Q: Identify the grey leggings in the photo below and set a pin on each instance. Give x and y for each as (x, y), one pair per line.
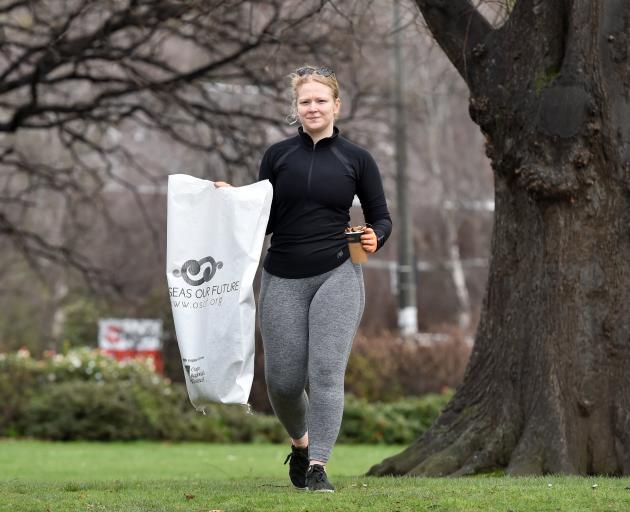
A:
(307, 327)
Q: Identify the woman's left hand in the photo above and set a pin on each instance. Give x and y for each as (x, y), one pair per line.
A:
(368, 240)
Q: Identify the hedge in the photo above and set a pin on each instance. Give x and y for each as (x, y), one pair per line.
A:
(86, 395)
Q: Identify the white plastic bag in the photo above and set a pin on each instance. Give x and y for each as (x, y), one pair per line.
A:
(214, 240)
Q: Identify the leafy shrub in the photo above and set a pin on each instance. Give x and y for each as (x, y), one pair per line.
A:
(85, 395)
(395, 422)
(80, 325)
(388, 368)
(88, 411)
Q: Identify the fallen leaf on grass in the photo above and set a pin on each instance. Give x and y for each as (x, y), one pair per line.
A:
(189, 496)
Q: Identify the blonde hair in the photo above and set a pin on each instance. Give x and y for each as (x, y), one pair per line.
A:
(297, 80)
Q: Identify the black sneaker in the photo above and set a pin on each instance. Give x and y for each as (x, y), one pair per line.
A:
(298, 465)
(316, 479)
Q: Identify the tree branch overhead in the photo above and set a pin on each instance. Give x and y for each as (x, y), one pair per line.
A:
(458, 27)
(83, 83)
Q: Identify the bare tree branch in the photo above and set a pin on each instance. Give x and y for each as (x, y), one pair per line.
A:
(458, 27)
(87, 88)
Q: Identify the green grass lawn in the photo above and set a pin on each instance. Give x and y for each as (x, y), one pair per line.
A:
(59, 477)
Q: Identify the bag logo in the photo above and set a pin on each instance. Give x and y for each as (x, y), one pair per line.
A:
(192, 268)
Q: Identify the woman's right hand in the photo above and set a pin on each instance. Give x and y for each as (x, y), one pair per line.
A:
(219, 184)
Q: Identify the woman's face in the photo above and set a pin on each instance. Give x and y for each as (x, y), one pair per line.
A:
(316, 107)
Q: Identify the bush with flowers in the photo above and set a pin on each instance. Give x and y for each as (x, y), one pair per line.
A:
(87, 395)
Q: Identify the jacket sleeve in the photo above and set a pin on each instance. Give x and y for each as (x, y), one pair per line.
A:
(266, 173)
(372, 196)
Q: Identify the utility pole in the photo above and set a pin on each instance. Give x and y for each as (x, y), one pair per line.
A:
(407, 309)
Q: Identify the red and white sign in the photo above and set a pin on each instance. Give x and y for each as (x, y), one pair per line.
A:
(127, 338)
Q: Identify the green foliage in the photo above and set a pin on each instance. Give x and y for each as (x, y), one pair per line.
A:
(80, 325)
(391, 423)
(86, 395)
(83, 395)
(89, 411)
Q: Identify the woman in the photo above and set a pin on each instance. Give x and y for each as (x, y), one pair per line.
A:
(312, 297)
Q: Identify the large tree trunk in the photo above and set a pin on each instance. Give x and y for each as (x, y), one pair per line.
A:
(547, 389)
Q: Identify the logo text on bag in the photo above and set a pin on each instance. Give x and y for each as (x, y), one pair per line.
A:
(193, 267)
(195, 273)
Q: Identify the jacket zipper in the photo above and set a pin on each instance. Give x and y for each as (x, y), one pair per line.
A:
(310, 169)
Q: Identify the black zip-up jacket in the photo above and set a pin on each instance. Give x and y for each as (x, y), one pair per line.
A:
(313, 189)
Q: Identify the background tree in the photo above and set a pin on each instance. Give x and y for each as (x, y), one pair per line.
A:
(84, 86)
(547, 388)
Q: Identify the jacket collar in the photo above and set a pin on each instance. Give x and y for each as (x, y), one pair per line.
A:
(306, 138)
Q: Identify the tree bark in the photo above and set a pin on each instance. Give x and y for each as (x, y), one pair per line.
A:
(547, 388)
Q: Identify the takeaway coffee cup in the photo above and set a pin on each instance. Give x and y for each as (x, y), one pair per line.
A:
(357, 254)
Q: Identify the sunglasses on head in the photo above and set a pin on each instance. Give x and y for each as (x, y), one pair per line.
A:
(308, 70)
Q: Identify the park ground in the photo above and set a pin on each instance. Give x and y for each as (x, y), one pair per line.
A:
(196, 477)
